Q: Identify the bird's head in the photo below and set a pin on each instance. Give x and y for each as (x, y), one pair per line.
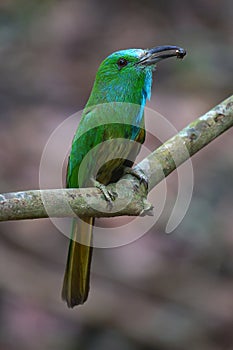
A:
(138, 59)
(124, 72)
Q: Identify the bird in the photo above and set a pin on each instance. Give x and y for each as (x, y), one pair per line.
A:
(107, 141)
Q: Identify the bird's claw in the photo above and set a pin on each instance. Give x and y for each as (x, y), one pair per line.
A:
(139, 174)
(108, 195)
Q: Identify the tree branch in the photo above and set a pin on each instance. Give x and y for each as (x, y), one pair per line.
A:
(130, 197)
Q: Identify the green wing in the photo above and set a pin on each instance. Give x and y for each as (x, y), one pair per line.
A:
(104, 140)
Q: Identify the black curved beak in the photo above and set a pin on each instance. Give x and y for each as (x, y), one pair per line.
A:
(159, 53)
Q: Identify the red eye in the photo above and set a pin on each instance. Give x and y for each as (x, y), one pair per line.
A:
(122, 62)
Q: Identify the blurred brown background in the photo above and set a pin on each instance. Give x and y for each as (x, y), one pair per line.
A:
(163, 291)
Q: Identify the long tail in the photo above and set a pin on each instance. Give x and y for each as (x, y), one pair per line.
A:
(77, 275)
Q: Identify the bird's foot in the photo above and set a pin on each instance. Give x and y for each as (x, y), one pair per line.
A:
(139, 174)
(108, 195)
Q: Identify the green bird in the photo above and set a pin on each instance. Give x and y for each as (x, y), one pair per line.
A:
(107, 141)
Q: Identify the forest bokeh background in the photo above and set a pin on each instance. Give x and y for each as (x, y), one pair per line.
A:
(162, 291)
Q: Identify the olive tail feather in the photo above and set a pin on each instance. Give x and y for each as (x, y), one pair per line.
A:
(76, 282)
